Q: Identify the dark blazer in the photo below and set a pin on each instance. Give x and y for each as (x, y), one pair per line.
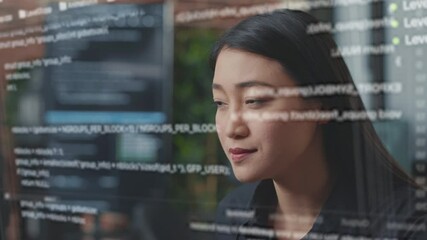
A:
(244, 214)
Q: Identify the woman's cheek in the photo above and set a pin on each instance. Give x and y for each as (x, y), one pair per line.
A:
(265, 132)
(277, 136)
(218, 128)
(219, 124)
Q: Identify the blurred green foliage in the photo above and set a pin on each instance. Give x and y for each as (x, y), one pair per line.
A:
(193, 104)
(193, 76)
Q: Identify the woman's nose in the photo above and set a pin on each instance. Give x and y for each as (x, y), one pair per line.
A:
(236, 126)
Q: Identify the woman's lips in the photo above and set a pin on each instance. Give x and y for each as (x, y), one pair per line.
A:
(239, 154)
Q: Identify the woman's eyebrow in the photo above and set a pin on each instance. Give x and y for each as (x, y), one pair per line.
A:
(249, 84)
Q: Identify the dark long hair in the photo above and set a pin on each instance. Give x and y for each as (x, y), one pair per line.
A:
(353, 149)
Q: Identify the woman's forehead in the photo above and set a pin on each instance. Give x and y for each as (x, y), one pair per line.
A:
(236, 67)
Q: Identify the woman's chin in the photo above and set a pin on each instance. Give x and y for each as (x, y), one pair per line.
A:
(246, 177)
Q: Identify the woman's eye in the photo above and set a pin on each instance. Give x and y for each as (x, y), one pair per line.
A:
(256, 101)
(218, 103)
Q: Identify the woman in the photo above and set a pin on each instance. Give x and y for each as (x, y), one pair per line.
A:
(307, 178)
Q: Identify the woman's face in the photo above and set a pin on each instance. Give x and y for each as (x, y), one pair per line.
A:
(259, 149)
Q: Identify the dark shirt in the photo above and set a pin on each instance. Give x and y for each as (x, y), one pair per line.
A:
(245, 214)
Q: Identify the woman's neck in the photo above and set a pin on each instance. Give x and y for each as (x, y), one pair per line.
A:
(303, 189)
(303, 192)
